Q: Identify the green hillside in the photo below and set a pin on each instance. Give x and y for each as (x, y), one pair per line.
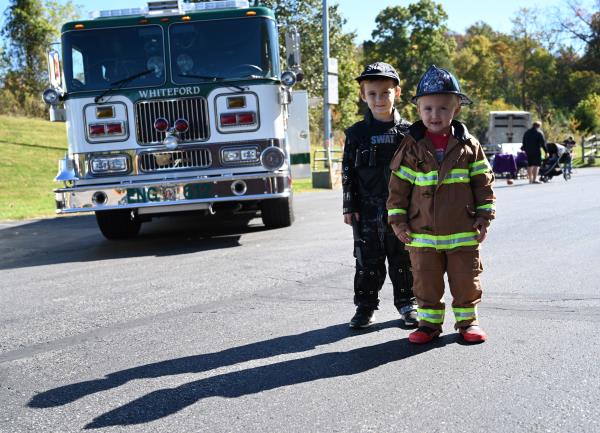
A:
(31, 148)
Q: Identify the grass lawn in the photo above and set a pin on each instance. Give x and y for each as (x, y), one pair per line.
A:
(32, 148)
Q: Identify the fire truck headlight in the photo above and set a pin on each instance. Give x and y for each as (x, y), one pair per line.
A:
(288, 78)
(243, 155)
(231, 155)
(272, 158)
(51, 96)
(109, 164)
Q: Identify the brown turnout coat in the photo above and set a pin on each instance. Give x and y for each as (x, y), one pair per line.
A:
(440, 201)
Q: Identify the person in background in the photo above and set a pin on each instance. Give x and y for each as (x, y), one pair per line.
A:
(440, 205)
(533, 144)
(368, 150)
(569, 143)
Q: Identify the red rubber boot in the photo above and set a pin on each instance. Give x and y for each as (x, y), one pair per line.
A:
(423, 335)
(473, 334)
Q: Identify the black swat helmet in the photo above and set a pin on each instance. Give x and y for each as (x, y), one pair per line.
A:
(379, 69)
(439, 81)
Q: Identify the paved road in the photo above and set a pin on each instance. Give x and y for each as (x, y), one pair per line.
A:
(194, 329)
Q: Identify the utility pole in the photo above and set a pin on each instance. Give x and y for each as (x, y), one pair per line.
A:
(326, 107)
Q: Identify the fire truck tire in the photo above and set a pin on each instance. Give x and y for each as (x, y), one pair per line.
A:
(118, 224)
(277, 212)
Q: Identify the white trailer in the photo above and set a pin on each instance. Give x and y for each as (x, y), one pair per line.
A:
(508, 126)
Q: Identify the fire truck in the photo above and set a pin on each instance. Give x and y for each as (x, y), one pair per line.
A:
(174, 107)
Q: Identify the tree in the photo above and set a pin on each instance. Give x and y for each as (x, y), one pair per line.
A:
(535, 66)
(28, 33)
(584, 26)
(307, 17)
(411, 38)
(30, 27)
(477, 66)
(587, 113)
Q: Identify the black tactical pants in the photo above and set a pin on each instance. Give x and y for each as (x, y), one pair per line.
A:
(378, 242)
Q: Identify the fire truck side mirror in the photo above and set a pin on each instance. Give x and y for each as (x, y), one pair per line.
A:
(293, 55)
(292, 49)
(54, 69)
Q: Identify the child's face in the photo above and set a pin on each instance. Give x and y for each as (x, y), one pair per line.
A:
(437, 111)
(379, 96)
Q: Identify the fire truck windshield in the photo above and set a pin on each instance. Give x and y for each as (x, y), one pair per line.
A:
(238, 48)
(96, 59)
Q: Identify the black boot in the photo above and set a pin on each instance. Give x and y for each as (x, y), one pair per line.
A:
(363, 318)
(408, 315)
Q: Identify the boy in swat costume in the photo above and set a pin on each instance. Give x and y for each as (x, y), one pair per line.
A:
(368, 150)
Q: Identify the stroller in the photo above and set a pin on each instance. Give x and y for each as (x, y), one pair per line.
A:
(551, 165)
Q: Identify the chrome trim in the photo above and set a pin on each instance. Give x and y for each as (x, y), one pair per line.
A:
(176, 192)
(182, 159)
(248, 146)
(194, 110)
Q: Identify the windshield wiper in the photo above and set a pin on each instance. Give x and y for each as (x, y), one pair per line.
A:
(121, 83)
(214, 78)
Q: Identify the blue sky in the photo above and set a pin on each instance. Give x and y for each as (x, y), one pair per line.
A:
(461, 13)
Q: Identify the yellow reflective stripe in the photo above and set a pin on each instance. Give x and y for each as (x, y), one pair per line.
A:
(487, 207)
(443, 242)
(478, 164)
(431, 316)
(426, 182)
(479, 167)
(464, 313)
(406, 174)
(457, 175)
(417, 177)
(396, 211)
(475, 173)
(456, 180)
(426, 179)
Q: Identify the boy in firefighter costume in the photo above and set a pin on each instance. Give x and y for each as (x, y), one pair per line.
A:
(440, 204)
(368, 150)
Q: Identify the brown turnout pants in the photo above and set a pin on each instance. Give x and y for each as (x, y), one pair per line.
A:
(463, 268)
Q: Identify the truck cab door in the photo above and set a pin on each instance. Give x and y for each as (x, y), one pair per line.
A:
(298, 135)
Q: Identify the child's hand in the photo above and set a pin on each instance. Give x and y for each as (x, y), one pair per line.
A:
(402, 232)
(348, 217)
(481, 227)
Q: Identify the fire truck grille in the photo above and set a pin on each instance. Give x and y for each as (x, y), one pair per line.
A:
(194, 110)
(174, 160)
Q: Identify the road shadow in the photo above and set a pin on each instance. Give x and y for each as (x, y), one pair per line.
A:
(296, 343)
(78, 239)
(165, 402)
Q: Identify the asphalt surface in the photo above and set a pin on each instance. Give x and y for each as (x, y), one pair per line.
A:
(195, 328)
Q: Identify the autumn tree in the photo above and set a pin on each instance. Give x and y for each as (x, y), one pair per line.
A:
(30, 27)
(411, 38)
(307, 17)
(583, 25)
(587, 113)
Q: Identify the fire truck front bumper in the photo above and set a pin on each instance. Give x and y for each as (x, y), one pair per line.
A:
(173, 194)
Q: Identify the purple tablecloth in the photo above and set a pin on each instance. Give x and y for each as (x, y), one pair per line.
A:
(521, 160)
(505, 163)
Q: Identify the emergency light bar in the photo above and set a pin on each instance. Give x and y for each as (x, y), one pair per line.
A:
(170, 7)
(219, 4)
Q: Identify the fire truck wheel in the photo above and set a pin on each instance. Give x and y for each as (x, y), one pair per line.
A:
(118, 224)
(277, 212)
